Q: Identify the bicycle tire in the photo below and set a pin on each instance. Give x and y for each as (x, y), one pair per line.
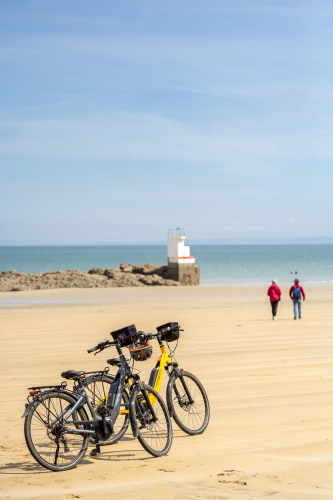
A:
(97, 389)
(155, 437)
(192, 418)
(49, 444)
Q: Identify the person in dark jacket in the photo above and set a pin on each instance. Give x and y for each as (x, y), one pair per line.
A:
(274, 293)
(296, 293)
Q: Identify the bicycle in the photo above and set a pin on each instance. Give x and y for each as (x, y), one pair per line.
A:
(57, 428)
(186, 397)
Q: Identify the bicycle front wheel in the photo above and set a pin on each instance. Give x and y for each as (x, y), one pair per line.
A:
(154, 435)
(97, 388)
(47, 431)
(188, 403)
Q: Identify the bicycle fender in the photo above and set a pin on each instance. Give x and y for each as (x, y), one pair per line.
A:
(30, 405)
(131, 407)
(26, 411)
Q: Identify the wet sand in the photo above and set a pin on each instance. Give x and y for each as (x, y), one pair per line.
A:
(269, 383)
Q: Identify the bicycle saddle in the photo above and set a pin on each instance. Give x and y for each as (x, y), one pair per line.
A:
(71, 374)
(114, 362)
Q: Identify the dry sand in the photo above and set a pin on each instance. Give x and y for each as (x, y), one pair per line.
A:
(270, 386)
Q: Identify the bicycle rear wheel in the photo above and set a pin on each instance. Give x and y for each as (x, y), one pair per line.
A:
(97, 389)
(154, 436)
(47, 431)
(190, 414)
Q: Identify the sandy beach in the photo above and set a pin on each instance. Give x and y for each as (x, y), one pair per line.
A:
(269, 383)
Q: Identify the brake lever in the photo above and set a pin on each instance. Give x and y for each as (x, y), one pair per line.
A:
(101, 348)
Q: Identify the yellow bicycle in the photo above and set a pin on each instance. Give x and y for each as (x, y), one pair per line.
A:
(186, 397)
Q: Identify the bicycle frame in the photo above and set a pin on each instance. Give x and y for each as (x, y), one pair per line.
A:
(122, 378)
(156, 375)
(80, 402)
(165, 362)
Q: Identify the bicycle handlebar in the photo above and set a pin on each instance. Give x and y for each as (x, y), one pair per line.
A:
(140, 335)
(149, 336)
(101, 345)
(158, 335)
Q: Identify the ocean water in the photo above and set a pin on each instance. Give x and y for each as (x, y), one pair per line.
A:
(254, 265)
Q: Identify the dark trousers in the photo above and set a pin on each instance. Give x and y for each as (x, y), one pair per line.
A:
(274, 305)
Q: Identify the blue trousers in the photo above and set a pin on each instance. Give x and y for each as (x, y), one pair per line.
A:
(297, 305)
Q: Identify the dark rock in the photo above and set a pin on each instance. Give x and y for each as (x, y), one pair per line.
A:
(96, 270)
(162, 271)
(123, 276)
(126, 268)
(144, 269)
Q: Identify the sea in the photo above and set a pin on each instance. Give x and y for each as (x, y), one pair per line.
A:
(220, 265)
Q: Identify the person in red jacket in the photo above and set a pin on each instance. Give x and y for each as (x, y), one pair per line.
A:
(274, 293)
(296, 293)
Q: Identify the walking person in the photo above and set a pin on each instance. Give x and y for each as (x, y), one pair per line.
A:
(296, 293)
(274, 293)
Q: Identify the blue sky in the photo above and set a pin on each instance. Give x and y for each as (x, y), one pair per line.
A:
(119, 120)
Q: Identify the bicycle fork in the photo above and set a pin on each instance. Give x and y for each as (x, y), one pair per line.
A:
(178, 373)
(145, 411)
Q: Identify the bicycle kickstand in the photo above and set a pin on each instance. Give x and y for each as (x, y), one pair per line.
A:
(95, 451)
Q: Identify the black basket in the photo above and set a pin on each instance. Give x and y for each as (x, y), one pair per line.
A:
(169, 331)
(126, 335)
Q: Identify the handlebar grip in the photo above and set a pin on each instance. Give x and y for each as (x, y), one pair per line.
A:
(100, 346)
(93, 349)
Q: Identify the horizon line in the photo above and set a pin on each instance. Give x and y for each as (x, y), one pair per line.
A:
(209, 241)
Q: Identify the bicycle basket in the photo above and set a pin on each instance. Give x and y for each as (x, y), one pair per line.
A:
(141, 351)
(126, 335)
(169, 331)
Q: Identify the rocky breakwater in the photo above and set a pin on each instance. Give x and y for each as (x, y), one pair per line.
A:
(124, 275)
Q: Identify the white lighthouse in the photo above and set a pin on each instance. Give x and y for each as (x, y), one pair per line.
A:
(181, 264)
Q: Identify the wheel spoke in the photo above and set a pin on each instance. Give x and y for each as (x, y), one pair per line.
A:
(191, 414)
(155, 436)
(46, 435)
